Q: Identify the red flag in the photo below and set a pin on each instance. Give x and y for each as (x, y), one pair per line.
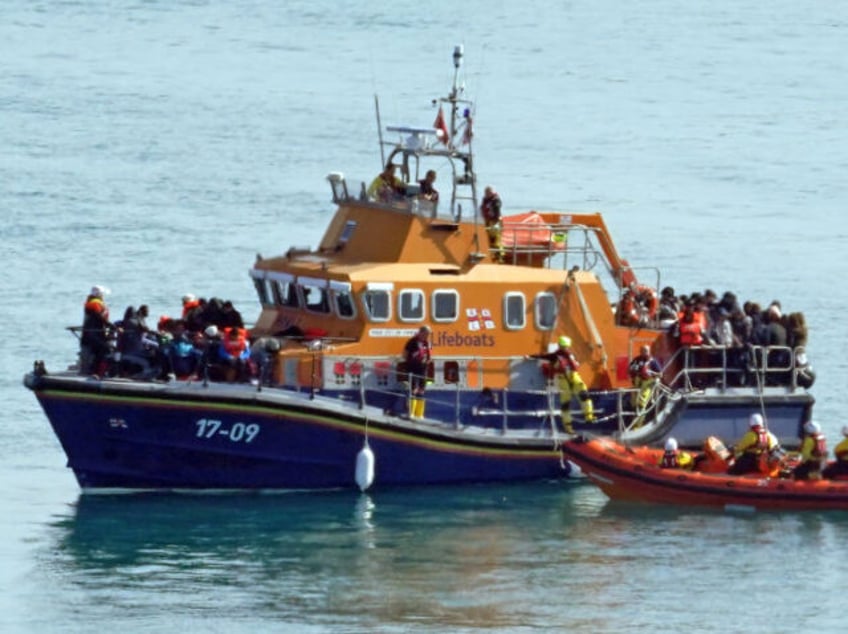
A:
(441, 128)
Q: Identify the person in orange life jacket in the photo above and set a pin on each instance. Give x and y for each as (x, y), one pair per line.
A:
(752, 452)
(690, 328)
(94, 341)
(386, 187)
(190, 302)
(813, 453)
(564, 365)
(644, 372)
(234, 353)
(674, 458)
(417, 354)
(490, 209)
(428, 191)
(839, 466)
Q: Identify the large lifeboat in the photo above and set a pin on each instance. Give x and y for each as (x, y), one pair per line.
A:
(634, 474)
(327, 397)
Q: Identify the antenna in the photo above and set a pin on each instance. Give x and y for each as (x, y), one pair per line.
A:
(457, 62)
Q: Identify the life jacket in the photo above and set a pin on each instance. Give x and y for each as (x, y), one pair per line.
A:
(627, 313)
(691, 333)
(670, 460)
(566, 362)
(762, 445)
(490, 208)
(190, 306)
(234, 347)
(96, 306)
(841, 451)
(819, 452)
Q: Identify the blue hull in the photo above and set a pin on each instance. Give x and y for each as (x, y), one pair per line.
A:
(120, 434)
(119, 437)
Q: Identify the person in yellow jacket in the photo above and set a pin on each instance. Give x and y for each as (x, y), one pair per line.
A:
(813, 453)
(564, 365)
(752, 451)
(674, 458)
(840, 466)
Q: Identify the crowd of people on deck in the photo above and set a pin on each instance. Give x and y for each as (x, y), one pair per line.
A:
(760, 452)
(208, 340)
(704, 319)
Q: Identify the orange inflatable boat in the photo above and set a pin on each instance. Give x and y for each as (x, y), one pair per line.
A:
(633, 474)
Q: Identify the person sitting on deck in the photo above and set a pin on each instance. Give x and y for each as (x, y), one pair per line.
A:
(840, 466)
(813, 453)
(674, 458)
(386, 187)
(752, 452)
(234, 355)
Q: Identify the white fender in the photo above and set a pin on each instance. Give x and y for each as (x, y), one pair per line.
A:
(365, 468)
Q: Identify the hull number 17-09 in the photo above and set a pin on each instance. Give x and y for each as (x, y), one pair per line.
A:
(238, 432)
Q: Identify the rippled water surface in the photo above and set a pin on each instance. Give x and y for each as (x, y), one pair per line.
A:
(156, 147)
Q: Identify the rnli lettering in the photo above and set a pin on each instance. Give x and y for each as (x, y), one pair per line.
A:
(239, 432)
(457, 339)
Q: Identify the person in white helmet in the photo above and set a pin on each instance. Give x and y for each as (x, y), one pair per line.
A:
(813, 453)
(839, 467)
(675, 458)
(563, 365)
(752, 451)
(96, 330)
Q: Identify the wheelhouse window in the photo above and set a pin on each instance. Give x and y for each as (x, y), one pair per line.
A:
(445, 306)
(377, 301)
(261, 288)
(545, 311)
(342, 299)
(316, 295)
(411, 305)
(514, 311)
(285, 293)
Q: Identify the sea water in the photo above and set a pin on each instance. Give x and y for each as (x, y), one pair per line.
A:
(156, 147)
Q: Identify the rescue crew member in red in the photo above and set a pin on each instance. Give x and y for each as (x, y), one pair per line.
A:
(417, 354)
(753, 450)
(490, 208)
(674, 458)
(813, 453)
(563, 365)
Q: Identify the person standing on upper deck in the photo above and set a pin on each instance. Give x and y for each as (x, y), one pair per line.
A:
(490, 208)
(428, 191)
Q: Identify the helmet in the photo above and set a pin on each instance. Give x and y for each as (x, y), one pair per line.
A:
(565, 342)
(188, 297)
(99, 291)
(845, 430)
(756, 420)
(812, 427)
(211, 331)
(671, 444)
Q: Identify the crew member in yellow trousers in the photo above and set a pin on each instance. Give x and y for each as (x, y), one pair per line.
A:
(417, 354)
(564, 366)
(644, 372)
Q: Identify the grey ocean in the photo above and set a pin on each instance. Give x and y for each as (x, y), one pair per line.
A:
(156, 146)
